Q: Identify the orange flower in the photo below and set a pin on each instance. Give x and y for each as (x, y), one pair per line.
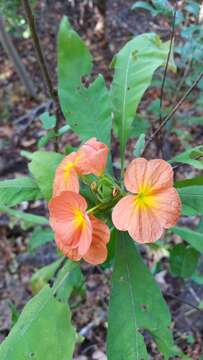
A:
(91, 158)
(66, 176)
(154, 204)
(96, 154)
(78, 234)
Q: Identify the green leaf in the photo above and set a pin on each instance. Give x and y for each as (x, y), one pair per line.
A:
(133, 75)
(183, 260)
(145, 6)
(191, 157)
(28, 218)
(39, 237)
(44, 330)
(140, 125)
(194, 238)
(43, 141)
(48, 121)
(200, 225)
(139, 146)
(198, 278)
(74, 281)
(193, 8)
(43, 167)
(64, 129)
(192, 200)
(14, 313)
(42, 276)
(198, 180)
(136, 304)
(87, 109)
(163, 7)
(13, 192)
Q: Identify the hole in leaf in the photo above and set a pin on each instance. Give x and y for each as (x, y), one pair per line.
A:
(31, 355)
(85, 81)
(144, 307)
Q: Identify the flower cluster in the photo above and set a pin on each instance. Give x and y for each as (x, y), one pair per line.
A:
(78, 233)
(150, 206)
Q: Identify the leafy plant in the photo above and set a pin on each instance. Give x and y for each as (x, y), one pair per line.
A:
(83, 224)
(187, 48)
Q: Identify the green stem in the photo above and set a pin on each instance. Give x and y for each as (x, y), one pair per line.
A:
(90, 211)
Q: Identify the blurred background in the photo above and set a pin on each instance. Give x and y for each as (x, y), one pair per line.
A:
(105, 26)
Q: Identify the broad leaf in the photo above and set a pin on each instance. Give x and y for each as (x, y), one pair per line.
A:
(73, 282)
(42, 276)
(87, 109)
(183, 260)
(136, 304)
(194, 238)
(26, 217)
(13, 192)
(133, 75)
(44, 330)
(73, 279)
(191, 157)
(43, 167)
(39, 237)
(192, 199)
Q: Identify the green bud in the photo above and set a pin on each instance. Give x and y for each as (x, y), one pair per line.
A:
(106, 189)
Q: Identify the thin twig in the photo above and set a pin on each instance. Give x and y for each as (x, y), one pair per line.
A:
(173, 111)
(42, 63)
(168, 59)
(183, 301)
(38, 49)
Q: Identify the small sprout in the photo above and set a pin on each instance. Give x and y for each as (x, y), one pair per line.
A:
(93, 186)
(115, 192)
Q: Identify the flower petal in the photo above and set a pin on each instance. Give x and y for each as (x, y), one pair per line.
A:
(94, 156)
(123, 213)
(66, 177)
(141, 223)
(159, 175)
(85, 239)
(150, 176)
(97, 252)
(168, 207)
(145, 227)
(62, 216)
(66, 250)
(134, 175)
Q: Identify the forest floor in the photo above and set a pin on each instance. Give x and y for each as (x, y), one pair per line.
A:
(105, 26)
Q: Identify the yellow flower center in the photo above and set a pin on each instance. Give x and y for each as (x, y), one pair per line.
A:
(145, 198)
(69, 166)
(79, 219)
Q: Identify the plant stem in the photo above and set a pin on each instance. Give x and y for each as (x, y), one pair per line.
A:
(172, 112)
(42, 63)
(90, 211)
(168, 59)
